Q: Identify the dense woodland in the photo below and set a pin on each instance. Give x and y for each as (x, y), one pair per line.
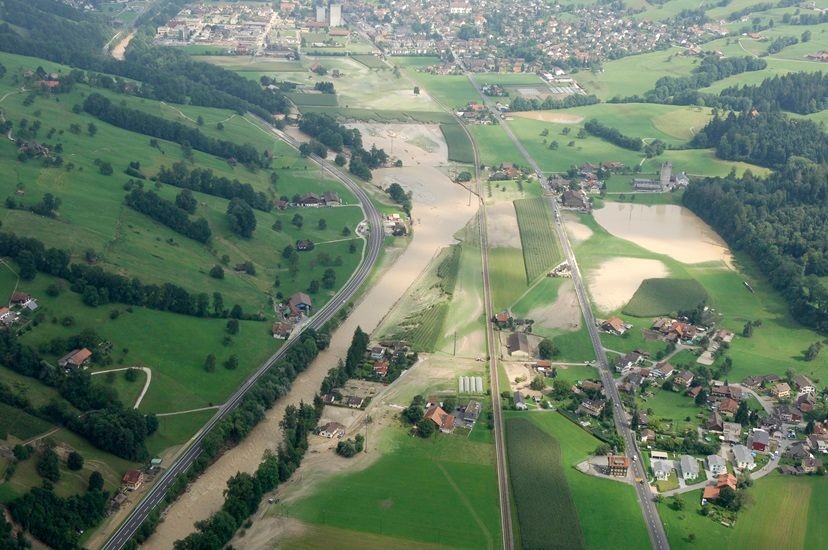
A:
(612, 135)
(204, 181)
(575, 100)
(169, 214)
(767, 139)
(780, 222)
(802, 93)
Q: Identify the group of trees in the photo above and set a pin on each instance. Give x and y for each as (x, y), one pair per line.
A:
(151, 125)
(328, 132)
(110, 287)
(574, 100)
(351, 447)
(802, 93)
(598, 129)
(768, 139)
(780, 222)
(398, 195)
(241, 217)
(337, 377)
(169, 214)
(205, 181)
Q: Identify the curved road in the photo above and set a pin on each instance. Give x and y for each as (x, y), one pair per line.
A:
(193, 448)
(146, 384)
(658, 537)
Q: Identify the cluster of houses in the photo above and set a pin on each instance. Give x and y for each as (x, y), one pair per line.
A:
(676, 331)
(310, 200)
(446, 421)
(19, 303)
(294, 310)
(475, 112)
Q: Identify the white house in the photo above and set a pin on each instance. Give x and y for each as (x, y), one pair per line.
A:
(717, 465)
(742, 458)
(689, 467)
(662, 469)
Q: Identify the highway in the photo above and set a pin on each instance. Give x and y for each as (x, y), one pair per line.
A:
(658, 537)
(193, 448)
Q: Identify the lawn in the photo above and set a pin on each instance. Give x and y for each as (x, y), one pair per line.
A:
(459, 147)
(370, 61)
(494, 146)
(545, 510)
(783, 512)
(541, 250)
(601, 505)
(308, 99)
(664, 296)
(128, 391)
(447, 483)
(175, 429)
(453, 91)
(672, 407)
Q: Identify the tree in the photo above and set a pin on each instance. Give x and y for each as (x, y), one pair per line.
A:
(92, 129)
(241, 217)
(218, 304)
(232, 326)
(48, 465)
(546, 349)
(701, 398)
(322, 225)
(426, 428)
(131, 374)
(417, 88)
(346, 231)
(186, 201)
(210, 363)
(313, 286)
(677, 503)
(74, 461)
(339, 160)
(742, 414)
(96, 481)
(236, 312)
(217, 272)
(329, 278)
(538, 383)
(809, 427)
(747, 331)
(298, 220)
(232, 363)
(813, 351)
(414, 412)
(200, 120)
(26, 261)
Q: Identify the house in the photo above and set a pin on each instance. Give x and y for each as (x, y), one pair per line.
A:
(381, 367)
(304, 245)
(472, 412)
(592, 408)
(663, 370)
(732, 432)
(19, 298)
(817, 443)
(75, 358)
(647, 435)
(781, 390)
(590, 386)
(805, 403)
(377, 353)
(518, 344)
(810, 465)
(574, 199)
(625, 363)
(618, 465)
(354, 401)
(502, 318)
(804, 384)
(331, 197)
(662, 469)
(133, 479)
(520, 404)
(711, 492)
(759, 440)
(7, 316)
(728, 407)
(282, 330)
(683, 379)
(310, 199)
(614, 325)
(443, 420)
(724, 336)
(331, 430)
(798, 450)
(717, 465)
(714, 423)
(643, 420)
(300, 303)
(743, 458)
(787, 413)
(689, 467)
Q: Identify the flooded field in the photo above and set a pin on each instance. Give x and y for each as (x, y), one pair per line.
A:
(665, 229)
(413, 144)
(441, 208)
(614, 282)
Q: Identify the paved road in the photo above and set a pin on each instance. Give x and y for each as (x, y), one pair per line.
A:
(193, 448)
(658, 537)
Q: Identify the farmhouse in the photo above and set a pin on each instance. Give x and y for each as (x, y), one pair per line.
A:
(781, 390)
(759, 440)
(300, 303)
(618, 465)
(331, 197)
(133, 479)
(716, 464)
(689, 467)
(332, 429)
(714, 423)
(19, 298)
(728, 407)
(75, 358)
(377, 352)
(574, 199)
(443, 420)
(303, 245)
(647, 435)
(804, 384)
(381, 367)
(7, 316)
(614, 325)
(518, 344)
(742, 458)
(520, 404)
(310, 199)
(353, 401)
(282, 330)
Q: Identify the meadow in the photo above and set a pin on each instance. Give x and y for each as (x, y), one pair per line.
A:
(507, 276)
(664, 296)
(459, 147)
(601, 505)
(541, 250)
(20, 424)
(783, 512)
(447, 482)
(545, 510)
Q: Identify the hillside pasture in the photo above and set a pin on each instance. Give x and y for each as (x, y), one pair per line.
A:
(664, 296)
(541, 251)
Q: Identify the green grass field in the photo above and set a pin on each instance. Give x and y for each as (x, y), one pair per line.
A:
(783, 512)
(370, 61)
(21, 425)
(601, 505)
(447, 483)
(174, 430)
(545, 510)
(673, 408)
(507, 276)
(663, 296)
(494, 146)
(308, 99)
(541, 250)
(377, 115)
(459, 146)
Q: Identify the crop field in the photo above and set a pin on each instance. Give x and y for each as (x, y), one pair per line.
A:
(545, 509)
(664, 296)
(600, 505)
(507, 275)
(20, 424)
(541, 250)
(371, 61)
(783, 512)
(459, 146)
(378, 115)
(447, 483)
(309, 99)
(494, 146)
